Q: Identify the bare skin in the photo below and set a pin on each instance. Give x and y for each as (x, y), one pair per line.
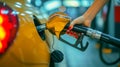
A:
(89, 15)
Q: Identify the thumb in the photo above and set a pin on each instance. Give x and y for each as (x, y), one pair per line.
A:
(78, 20)
(72, 23)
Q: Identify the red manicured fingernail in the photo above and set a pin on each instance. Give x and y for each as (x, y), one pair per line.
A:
(70, 27)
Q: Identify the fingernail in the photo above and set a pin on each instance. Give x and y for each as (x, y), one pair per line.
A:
(70, 27)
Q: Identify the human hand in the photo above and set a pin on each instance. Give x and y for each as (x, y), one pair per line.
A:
(80, 20)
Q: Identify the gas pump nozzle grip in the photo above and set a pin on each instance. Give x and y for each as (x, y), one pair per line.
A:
(96, 35)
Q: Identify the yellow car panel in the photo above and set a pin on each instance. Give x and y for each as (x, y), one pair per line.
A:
(28, 49)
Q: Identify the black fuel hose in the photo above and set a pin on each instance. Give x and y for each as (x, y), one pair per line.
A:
(96, 35)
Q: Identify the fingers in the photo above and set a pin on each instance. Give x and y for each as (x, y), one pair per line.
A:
(81, 20)
(73, 23)
(69, 29)
(71, 33)
(78, 20)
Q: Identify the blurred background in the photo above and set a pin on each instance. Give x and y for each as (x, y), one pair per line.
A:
(107, 21)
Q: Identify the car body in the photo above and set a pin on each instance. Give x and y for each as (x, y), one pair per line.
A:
(28, 49)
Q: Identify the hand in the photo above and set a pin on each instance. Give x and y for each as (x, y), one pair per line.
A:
(79, 20)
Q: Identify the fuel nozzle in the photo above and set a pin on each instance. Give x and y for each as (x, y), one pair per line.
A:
(57, 22)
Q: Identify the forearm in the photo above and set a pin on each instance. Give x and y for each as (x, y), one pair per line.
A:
(94, 9)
